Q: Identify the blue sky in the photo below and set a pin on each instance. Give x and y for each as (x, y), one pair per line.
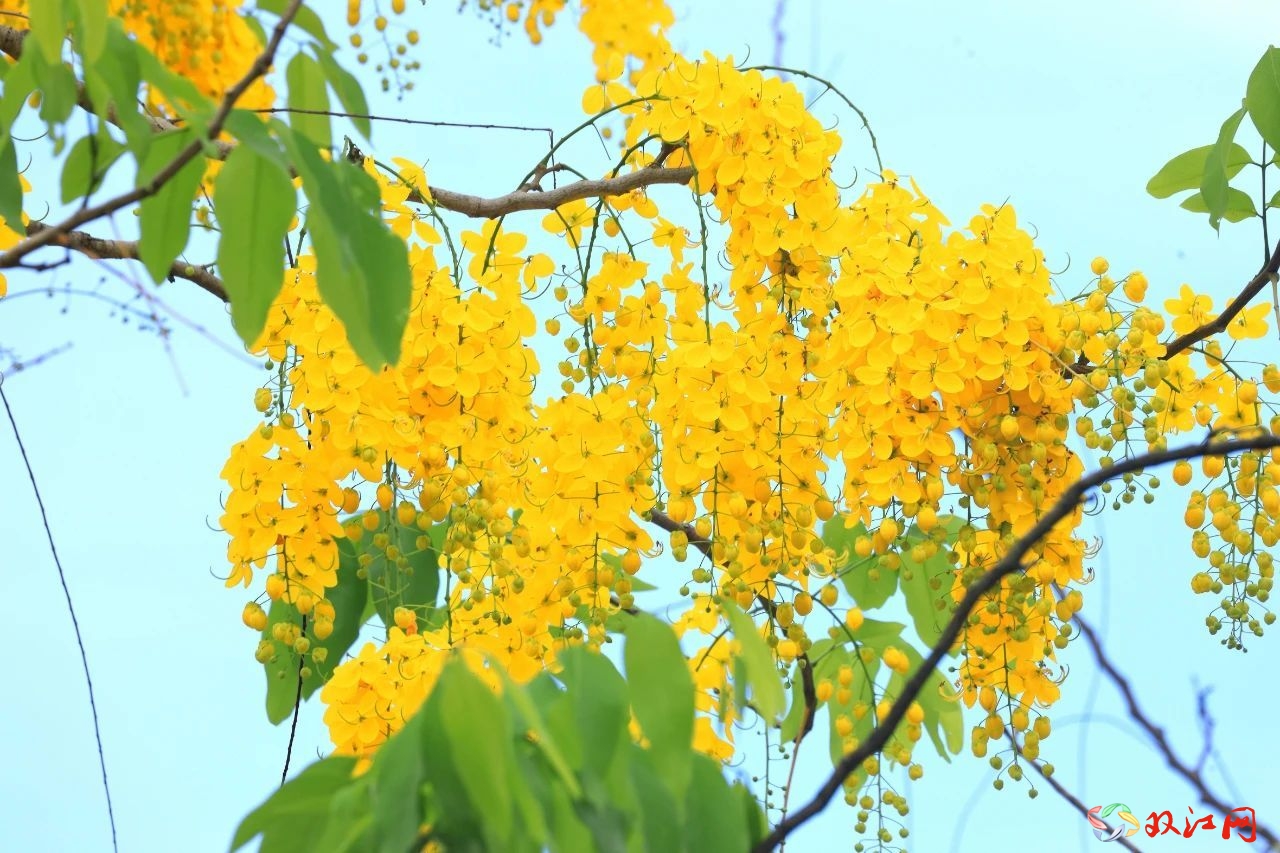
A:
(1063, 114)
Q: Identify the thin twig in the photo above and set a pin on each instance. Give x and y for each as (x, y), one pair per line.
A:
(1190, 775)
(1067, 795)
(75, 623)
(297, 706)
(401, 120)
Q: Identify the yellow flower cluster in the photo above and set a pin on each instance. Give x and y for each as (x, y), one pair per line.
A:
(205, 41)
(858, 356)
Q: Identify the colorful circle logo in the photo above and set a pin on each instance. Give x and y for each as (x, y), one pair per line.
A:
(1104, 833)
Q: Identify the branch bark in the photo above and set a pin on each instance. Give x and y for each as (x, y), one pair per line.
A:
(492, 208)
(127, 250)
(1010, 564)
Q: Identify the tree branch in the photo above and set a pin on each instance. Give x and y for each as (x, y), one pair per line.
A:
(11, 41)
(127, 250)
(1010, 564)
(259, 67)
(492, 208)
(1268, 274)
(1064, 793)
(1191, 775)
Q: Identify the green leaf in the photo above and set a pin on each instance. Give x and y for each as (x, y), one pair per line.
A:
(1186, 171)
(1239, 205)
(112, 83)
(255, 202)
(869, 585)
(1262, 97)
(10, 184)
(527, 703)
(307, 97)
(394, 781)
(926, 586)
(1214, 184)
(282, 669)
(348, 90)
(58, 89)
(249, 128)
(18, 83)
(768, 696)
(718, 821)
(294, 816)
(87, 163)
(165, 217)
(305, 19)
(790, 725)
(91, 29)
(878, 634)
(601, 711)
(48, 27)
(181, 93)
(350, 827)
(943, 715)
(362, 268)
(662, 697)
(757, 822)
(417, 586)
(607, 826)
(479, 731)
(348, 598)
(662, 831)
(444, 793)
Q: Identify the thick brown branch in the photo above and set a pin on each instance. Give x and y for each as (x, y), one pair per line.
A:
(1010, 564)
(127, 250)
(259, 67)
(491, 208)
(1189, 774)
(807, 688)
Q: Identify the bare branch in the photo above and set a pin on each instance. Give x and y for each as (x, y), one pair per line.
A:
(127, 250)
(491, 208)
(1064, 793)
(259, 67)
(1189, 774)
(1010, 564)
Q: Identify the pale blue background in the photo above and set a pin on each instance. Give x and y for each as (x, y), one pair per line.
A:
(1064, 113)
